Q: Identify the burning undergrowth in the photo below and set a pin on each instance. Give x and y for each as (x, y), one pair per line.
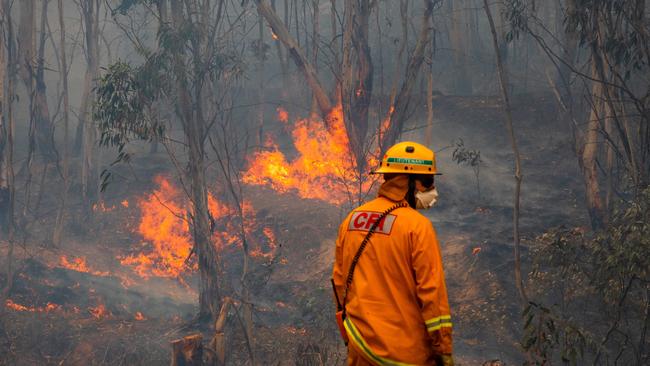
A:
(146, 280)
(165, 227)
(324, 167)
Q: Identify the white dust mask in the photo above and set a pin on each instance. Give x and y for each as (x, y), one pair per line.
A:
(427, 199)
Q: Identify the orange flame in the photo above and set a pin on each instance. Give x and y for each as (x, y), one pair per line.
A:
(125, 203)
(164, 226)
(139, 316)
(79, 265)
(283, 115)
(49, 307)
(99, 312)
(325, 166)
(12, 305)
(101, 207)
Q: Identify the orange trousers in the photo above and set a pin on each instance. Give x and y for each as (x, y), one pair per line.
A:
(355, 358)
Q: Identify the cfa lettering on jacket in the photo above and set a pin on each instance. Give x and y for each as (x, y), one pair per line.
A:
(363, 221)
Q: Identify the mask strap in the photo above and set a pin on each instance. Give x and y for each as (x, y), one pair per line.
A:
(410, 195)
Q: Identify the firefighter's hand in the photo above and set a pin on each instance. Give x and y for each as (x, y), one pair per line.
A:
(444, 360)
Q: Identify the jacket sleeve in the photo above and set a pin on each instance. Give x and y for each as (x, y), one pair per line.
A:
(430, 287)
(338, 272)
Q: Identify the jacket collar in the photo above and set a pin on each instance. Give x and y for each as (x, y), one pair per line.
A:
(396, 188)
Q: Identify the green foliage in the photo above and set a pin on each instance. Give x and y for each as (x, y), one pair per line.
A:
(127, 95)
(465, 156)
(122, 100)
(515, 12)
(597, 287)
(544, 332)
(625, 45)
(471, 158)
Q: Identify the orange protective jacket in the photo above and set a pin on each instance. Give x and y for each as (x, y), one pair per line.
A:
(397, 308)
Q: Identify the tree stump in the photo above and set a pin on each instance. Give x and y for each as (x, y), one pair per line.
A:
(218, 343)
(188, 351)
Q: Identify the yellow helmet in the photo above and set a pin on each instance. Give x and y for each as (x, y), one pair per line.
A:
(408, 157)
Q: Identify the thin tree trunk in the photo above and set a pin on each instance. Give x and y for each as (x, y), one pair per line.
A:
(281, 56)
(32, 73)
(314, 52)
(63, 73)
(26, 42)
(429, 131)
(335, 50)
(297, 20)
(403, 99)
(43, 123)
(503, 30)
(590, 152)
(403, 11)
(515, 150)
(4, 139)
(8, 64)
(462, 81)
(297, 55)
(381, 54)
(609, 160)
(568, 54)
(356, 90)
(25, 38)
(90, 11)
(194, 129)
(261, 77)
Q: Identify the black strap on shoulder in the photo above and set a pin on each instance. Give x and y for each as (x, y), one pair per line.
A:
(362, 247)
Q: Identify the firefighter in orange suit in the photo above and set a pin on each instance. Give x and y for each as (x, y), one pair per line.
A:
(396, 308)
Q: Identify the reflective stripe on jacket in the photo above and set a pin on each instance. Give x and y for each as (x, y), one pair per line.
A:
(397, 308)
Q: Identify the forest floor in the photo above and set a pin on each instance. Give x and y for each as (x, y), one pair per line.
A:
(108, 315)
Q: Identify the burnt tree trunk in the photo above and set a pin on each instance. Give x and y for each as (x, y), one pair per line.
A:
(26, 45)
(8, 65)
(63, 72)
(189, 112)
(357, 77)
(43, 122)
(31, 71)
(7, 74)
(90, 14)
